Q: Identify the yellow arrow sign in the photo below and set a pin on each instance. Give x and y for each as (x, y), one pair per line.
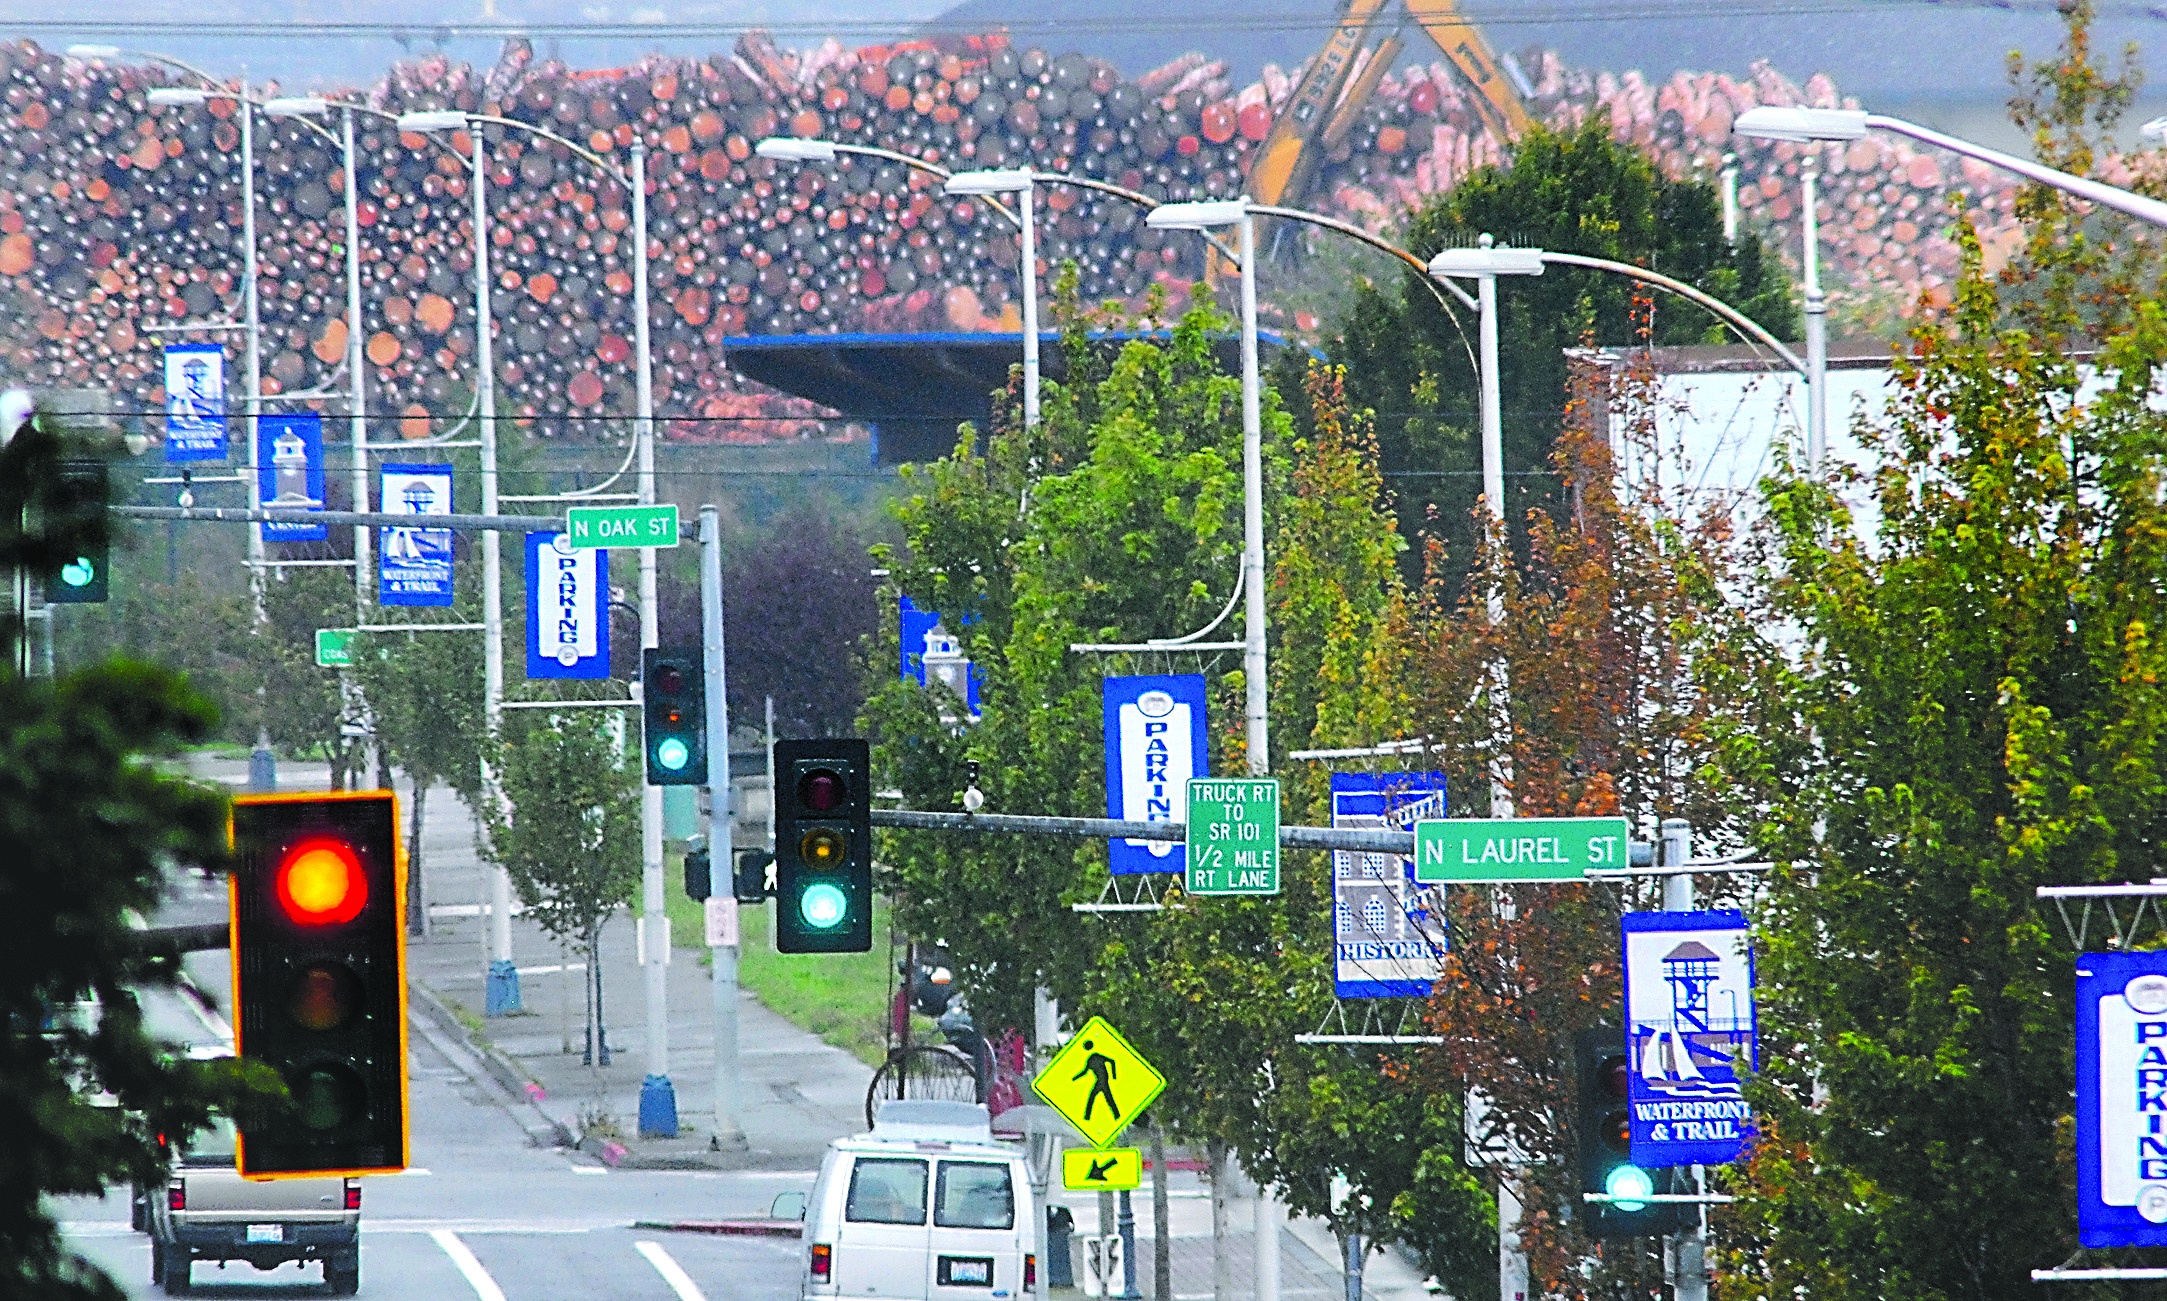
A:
(1098, 1082)
(1111, 1169)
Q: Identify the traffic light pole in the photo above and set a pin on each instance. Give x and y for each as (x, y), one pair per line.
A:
(1688, 1249)
(722, 859)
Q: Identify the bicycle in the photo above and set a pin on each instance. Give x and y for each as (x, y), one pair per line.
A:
(921, 1070)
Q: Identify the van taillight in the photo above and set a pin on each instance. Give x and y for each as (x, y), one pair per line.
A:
(353, 1196)
(1030, 1271)
(823, 1261)
(176, 1196)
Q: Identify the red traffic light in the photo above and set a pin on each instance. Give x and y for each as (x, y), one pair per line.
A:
(821, 790)
(320, 882)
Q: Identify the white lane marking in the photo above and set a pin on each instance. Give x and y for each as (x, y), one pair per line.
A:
(590, 1169)
(477, 1278)
(416, 1170)
(672, 1273)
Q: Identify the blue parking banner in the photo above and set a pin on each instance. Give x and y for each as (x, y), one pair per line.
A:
(1154, 744)
(290, 471)
(567, 608)
(1388, 930)
(414, 565)
(2122, 1099)
(195, 402)
(1688, 1018)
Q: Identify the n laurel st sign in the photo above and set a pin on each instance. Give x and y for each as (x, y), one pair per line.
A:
(1518, 849)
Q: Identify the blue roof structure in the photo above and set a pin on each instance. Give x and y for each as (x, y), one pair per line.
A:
(914, 389)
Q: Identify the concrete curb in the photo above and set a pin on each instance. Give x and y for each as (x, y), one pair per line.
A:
(733, 1228)
(500, 1077)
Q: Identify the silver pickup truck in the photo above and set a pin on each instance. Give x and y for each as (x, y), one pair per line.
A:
(207, 1211)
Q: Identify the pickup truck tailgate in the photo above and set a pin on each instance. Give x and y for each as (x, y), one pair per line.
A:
(222, 1194)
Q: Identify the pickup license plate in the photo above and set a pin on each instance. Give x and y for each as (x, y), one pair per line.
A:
(265, 1233)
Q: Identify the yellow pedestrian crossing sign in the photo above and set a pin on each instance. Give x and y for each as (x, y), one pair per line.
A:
(1102, 1169)
(1098, 1082)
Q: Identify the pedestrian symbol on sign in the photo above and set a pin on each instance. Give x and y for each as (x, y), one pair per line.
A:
(1102, 1070)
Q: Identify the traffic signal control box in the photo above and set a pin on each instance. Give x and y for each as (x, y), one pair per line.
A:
(823, 847)
(1605, 1146)
(319, 979)
(673, 704)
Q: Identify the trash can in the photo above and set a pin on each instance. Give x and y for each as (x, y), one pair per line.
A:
(1060, 1226)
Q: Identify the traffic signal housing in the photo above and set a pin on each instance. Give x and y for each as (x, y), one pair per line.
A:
(673, 703)
(697, 887)
(824, 847)
(1606, 1159)
(80, 499)
(319, 979)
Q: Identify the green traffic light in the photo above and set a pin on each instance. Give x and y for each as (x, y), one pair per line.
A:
(673, 753)
(82, 573)
(822, 906)
(1627, 1186)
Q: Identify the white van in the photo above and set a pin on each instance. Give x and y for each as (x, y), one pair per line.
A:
(926, 1207)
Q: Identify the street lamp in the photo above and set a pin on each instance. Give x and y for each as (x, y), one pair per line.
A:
(1484, 265)
(1019, 183)
(1800, 125)
(1206, 216)
(184, 96)
(503, 978)
(658, 1100)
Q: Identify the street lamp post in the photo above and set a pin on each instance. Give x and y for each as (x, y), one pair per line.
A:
(501, 994)
(1020, 184)
(1808, 125)
(1205, 216)
(252, 393)
(658, 1098)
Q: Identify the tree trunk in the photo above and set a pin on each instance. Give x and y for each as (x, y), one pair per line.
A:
(417, 910)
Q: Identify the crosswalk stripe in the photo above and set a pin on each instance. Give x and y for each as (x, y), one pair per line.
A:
(672, 1273)
(477, 1278)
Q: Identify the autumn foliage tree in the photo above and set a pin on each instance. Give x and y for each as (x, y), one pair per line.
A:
(1603, 687)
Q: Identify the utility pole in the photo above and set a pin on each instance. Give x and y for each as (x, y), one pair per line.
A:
(1687, 1250)
(722, 861)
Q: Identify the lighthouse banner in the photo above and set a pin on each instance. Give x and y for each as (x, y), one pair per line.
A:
(1688, 1024)
(1154, 744)
(195, 402)
(290, 472)
(414, 565)
(2122, 1099)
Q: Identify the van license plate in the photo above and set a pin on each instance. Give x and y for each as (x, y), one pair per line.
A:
(266, 1233)
(965, 1271)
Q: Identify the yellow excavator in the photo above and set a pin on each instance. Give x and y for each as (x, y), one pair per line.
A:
(1325, 106)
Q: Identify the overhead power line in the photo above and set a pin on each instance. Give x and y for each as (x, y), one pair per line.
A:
(1172, 21)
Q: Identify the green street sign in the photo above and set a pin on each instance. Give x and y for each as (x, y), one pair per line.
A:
(1233, 838)
(1518, 849)
(334, 648)
(622, 526)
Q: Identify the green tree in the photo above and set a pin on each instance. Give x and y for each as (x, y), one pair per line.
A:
(568, 829)
(1413, 365)
(1978, 712)
(1117, 519)
(424, 690)
(87, 831)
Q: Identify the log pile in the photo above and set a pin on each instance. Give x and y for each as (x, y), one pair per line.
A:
(115, 216)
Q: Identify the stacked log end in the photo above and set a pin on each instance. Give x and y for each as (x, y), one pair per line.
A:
(116, 217)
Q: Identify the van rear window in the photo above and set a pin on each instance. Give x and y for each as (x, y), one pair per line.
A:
(886, 1190)
(975, 1195)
